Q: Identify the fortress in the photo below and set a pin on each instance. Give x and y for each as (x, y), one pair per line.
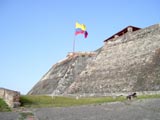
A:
(129, 61)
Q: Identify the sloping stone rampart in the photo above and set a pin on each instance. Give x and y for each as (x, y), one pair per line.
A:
(129, 63)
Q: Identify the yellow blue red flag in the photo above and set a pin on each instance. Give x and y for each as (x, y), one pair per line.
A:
(81, 29)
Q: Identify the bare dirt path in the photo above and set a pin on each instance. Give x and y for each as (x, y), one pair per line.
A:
(148, 109)
(9, 115)
(128, 110)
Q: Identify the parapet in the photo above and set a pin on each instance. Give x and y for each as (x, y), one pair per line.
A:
(83, 54)
(132, 34)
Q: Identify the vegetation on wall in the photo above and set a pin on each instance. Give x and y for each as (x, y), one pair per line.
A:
(3, 106)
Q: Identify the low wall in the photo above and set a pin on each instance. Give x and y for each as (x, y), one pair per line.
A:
(12, 98)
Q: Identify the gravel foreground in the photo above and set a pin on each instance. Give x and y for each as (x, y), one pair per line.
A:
(148, 109)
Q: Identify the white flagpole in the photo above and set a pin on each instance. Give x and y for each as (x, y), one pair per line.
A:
(74, 43)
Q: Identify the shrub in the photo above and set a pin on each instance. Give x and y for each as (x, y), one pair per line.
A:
(3, 106)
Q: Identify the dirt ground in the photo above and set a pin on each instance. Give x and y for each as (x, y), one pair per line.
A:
(148, 109)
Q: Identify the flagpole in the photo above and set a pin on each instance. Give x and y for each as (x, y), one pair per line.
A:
(74, 43)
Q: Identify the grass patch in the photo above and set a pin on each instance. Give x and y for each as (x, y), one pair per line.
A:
(25, 115)
(47, 101)
(37, 101)
(3, 106)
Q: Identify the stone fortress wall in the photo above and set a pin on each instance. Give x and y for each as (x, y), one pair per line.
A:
(127, 63)
(12, 98)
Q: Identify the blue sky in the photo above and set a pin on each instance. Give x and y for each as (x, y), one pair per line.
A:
(35, 34)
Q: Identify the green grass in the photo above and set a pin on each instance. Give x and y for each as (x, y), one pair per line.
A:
(33, 101)
(3, 106)
(25, 115)
(47, 101)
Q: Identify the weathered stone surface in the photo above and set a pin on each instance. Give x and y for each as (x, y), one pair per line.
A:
(129, 63)
(62, 75)
(12, 98)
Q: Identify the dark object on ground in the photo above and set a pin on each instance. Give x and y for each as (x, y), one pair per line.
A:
(129, 97)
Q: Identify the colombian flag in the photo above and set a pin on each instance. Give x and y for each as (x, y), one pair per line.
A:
(81, 29)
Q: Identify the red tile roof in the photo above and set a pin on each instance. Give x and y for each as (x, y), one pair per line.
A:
(122, 32)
